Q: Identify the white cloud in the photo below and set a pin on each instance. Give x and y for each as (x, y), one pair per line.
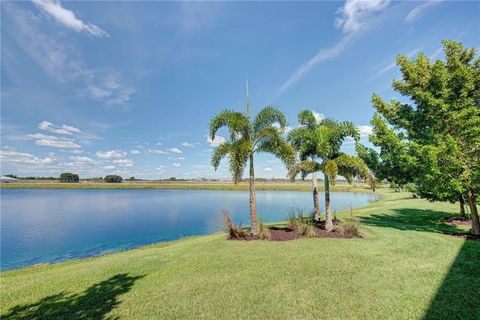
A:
(393, 64)
(355, 14)
(436, 53)
(70, 128)
(189, 144)
(12, 157)
(156, 151)
(318, 116)
(57, 144)
(215, 142)
(109, 167)
(365, 131)
(124, 162)
(181, 158)
(76, 151)
(64, 129)
(268, 169)
(83, 160)
(64, 62)
(111, 154)
(353, 19)
(53, 141)
(176, 164)
(420, 9)
(67, 18)
(135, 151)
(175, 150)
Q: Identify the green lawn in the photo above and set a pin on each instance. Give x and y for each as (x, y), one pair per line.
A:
(405, 269)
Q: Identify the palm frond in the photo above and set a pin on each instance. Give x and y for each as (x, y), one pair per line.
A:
(219, 153)
(237, 123)
(238, 158)
(351, 166)
(330, 169)
(267, 117)
(303, 167)
(274, 143)
(307, 118)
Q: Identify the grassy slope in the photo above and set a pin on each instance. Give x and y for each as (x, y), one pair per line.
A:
(404, 269)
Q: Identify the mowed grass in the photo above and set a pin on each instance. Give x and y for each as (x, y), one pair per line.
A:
(405, 269)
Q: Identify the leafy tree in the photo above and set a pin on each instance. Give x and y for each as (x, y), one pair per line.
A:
(247, 137)
(438, 133)
(11, 176)
(322, 142)
(113, 179)
(69, 177)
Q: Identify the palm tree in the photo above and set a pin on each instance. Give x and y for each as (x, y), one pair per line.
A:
(245, 138)
(303, 141)
(323, 142)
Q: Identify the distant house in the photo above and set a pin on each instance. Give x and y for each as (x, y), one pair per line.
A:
(4, 179)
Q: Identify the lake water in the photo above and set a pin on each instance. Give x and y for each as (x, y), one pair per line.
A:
(41, 225)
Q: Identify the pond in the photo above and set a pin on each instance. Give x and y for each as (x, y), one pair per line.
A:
(43, 226)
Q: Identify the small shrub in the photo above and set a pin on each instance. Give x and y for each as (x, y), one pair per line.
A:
(113, 179)
(234, 232)
(296, 217)
(69, 177)
(351, 228)
(306, 230)
(263, 231)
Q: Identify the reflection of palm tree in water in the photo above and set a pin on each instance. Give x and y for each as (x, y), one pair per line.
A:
(94, 303)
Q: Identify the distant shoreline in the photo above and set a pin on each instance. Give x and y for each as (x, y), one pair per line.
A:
(282, 186)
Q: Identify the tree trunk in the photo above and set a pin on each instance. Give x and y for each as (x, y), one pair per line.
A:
(328, 211)
(253, 206)
(462, 206)
(316, 207)
(474, 213)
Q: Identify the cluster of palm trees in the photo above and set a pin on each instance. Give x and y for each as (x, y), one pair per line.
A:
(312, 147)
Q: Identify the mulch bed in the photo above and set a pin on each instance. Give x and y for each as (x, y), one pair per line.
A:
(458, 221)
(287, 234)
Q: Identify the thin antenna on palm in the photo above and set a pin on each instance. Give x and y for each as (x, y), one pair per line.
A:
(248, 96)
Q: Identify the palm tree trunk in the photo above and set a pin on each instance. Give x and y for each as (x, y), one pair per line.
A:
(253, 207)
(315, 197)
(328, 211)
(474, 213)
(462, 206)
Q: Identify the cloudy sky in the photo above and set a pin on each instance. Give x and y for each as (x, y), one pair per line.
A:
(128, 87)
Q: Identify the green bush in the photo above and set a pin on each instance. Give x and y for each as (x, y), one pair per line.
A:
(113, 179)
(69, 177)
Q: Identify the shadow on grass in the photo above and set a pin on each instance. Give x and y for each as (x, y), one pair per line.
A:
(458, 297)
(414, 219)
(94, 303)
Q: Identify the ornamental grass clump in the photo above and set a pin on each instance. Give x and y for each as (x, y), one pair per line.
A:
(234, 232)
(263, 231)
(306, 230)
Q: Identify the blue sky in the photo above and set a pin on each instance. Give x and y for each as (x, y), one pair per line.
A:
(129, 87)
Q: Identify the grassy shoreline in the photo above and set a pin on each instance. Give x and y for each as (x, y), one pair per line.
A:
(294, 186)
(406, 268)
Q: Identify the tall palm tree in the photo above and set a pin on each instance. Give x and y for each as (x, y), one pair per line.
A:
(324, 142)
(303, 141)
(247, 137)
